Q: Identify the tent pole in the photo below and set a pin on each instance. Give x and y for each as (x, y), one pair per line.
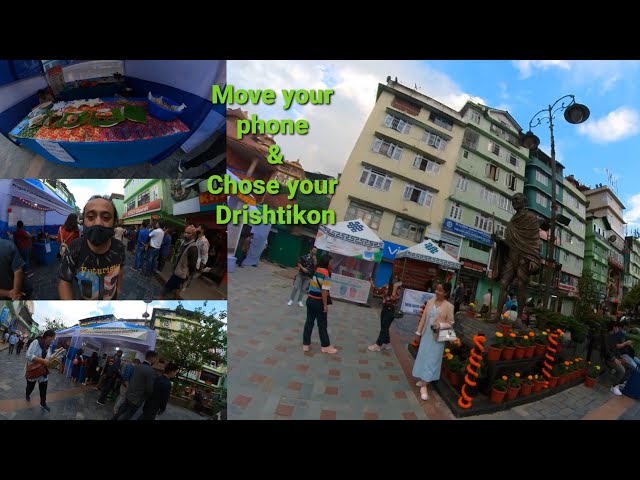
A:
(404, 265)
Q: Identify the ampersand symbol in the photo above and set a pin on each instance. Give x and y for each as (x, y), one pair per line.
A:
(274, 158)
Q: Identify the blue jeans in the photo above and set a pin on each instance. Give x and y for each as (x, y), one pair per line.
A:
(152, 255)
(25, 253)
(140, 257)
(633, 362)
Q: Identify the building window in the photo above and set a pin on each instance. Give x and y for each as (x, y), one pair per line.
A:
(491, 171)
(131, 204)
(154, 192)
(426, 165)
(375, 179)
(541, 200)
(483, 223)
(494, 148)
(143, 198)
(386, 148)
(513, 160)
(465, 154)
(370, 216)
(501, 230)
(461, 183)
(397, 124)
(486, 195)
(475, 117)
(471, 139)
(409, 230)
(479, 246)
(542, 178)
(434, 140)
(503, 202)
(511, 181)
(455, 212)
(417, 195)
(441, 121)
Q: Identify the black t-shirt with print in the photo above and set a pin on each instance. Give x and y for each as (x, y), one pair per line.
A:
(97, 275)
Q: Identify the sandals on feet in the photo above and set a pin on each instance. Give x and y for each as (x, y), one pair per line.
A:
(424, 395)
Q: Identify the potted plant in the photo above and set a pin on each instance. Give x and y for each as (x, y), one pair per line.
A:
(495, 350)
(556, 373)
(453, 365)
(593, 372)
(499, 389)
(513, 386)
(527, 385)
(509, 348)
(505, 324)
(530, 342)
(582, 366)
(539, 383)
(541, 344)
(522, 343)
(471, 310)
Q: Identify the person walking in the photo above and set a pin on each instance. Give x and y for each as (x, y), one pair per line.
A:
(306, 266)
(13, 339)
(387, 316)
(38, 353)
(20, 345)
(140, 387)
(244, 250)
(157, 404)
(67, 233)
(92, 369)
(22, 239)
(78, 360)
(318, 306)
(438, 314)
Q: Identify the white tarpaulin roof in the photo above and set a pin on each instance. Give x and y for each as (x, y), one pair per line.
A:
(427, 251)
(354, 231)
(127, 332)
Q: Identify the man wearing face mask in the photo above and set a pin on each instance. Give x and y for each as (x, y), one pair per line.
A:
(96, 260)
(186, 264)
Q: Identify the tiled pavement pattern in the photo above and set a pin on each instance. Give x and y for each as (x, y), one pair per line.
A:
(20, 162)
(274, 379)
(270, 376)
(67, 401)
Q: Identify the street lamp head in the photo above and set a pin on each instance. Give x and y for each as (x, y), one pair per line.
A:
(530, 141)
(576, 113)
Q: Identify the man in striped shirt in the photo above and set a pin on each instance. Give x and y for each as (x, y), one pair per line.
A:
(318, 306)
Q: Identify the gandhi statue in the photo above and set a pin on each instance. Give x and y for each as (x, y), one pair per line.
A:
(518, 254)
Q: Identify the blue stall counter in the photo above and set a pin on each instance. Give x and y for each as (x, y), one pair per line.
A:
(45, 253)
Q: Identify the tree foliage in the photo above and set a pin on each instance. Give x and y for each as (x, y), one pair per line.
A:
(201, 341)
(589, 296)
(632, 298)
(54, 324)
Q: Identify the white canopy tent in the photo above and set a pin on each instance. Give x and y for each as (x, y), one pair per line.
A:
(355, 249)
(427, 251)
(105, 337)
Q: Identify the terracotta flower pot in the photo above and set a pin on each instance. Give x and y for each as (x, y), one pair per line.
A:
(537, 386)
(454, 379)
(493, 355)
(562, 379)
(497, 396)
(519, 353)
(553, 381)
(512, 393)
(539, 350)
(505, 329)
(589, 382)
(507, 353)
(529, 351)
(525, 389)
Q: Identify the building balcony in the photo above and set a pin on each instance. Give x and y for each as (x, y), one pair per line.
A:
(615, 262)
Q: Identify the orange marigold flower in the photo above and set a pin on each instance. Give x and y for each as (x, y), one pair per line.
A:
(517, 375)
(499, 334)
(566, 363)
(531, 334)
(504, 377)
(526, 337)
(512, 335)
(530, 377)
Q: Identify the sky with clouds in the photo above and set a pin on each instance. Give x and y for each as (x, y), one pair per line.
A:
(83, 189)
(69, 312)
(609, 140)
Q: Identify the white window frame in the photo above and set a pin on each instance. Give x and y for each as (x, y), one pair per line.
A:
(456, 211)
(413, 229)
(542, 178)
(434, 140)
(475, 117)
(441, 121)
(392, 150)
(431, 167)
(486, 195)
(500, 229)
(425, 198)
(494, 148)
(503, 202)
(540, 198)
(483, 223)
(372, 213)
(462, 183)
(397, 124)
(487, 171)
(511, 181)
(368, 173)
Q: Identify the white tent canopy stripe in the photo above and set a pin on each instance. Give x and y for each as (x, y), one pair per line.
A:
(427, 251)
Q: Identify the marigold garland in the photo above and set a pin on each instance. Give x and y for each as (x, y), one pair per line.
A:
(475, 362)
(552, 349)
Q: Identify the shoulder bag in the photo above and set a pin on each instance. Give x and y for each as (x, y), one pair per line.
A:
(36, 370)
(446, 335)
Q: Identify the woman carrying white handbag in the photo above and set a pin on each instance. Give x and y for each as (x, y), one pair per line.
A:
(438, 315)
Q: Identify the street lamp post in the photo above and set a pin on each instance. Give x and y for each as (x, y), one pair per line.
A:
(574, 113)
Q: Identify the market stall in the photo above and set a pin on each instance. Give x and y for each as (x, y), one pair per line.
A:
(109, 121)
(418, 267)
(355, 250)
(133, 340)
(38, 207)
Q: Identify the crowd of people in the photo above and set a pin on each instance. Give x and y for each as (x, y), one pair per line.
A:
(92, 255)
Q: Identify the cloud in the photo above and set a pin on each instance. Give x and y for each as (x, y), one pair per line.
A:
(526, 67)
(334, 128)
(632, 212)
(84, 189)
(617, 125)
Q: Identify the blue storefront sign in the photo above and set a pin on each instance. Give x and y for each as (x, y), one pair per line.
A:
(391, 250)
(467, 232)
(4, 315)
